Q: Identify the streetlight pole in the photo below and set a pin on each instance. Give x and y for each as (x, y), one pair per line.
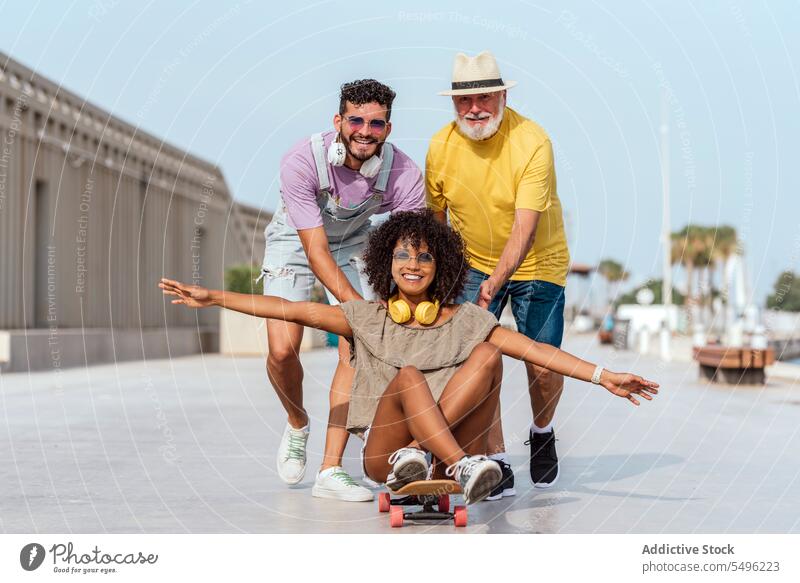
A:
(666, 238)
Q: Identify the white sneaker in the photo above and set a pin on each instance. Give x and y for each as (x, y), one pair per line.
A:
(337, 484)
(477, 474)
(370, 482)
(409, 465)
(291, 460)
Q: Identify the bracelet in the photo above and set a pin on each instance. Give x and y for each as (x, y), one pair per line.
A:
(598, 370)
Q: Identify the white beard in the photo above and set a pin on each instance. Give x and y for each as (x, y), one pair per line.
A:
(483, 131)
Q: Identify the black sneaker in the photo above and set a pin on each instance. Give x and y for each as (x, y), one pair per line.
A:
(506, 485)
(544, 460)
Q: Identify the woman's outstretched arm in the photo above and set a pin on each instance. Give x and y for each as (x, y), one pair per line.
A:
(314, 315)
(518, 346)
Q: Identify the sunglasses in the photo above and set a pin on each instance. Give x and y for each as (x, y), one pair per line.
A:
(423, 259)
(376, 126)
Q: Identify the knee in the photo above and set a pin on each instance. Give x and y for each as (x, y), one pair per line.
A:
(405, 381)
(282, 355)
(489, 355)
(410, 375)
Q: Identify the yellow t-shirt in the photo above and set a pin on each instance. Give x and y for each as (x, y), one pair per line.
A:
(482, 183)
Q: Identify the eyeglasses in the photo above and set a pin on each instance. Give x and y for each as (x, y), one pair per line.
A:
(376, 126)
(423, 259)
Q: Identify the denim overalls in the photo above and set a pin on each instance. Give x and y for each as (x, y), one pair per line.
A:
(286, 271)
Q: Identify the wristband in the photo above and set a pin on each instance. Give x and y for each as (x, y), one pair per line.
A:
(598, 370)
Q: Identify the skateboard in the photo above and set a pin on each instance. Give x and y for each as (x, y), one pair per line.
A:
(432, 495)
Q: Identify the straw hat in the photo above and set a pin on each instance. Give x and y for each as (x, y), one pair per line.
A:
(478, 74)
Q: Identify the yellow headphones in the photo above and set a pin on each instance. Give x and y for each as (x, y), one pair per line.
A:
(425, 313)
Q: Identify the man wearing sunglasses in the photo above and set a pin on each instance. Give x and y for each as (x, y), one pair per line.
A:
(492, 170)
(331, 185)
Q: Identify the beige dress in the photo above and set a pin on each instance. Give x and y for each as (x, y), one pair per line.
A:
(380, 348)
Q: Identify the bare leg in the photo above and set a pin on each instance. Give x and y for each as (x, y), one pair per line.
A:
(407, 411)
(471, 400)
(336, 436)
(496, 441)
(545, 389)
(473, 430)
(467, 406)
(284, 369)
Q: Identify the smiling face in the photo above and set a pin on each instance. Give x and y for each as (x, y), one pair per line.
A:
(479, 116)
(363, 128)
(413, 275)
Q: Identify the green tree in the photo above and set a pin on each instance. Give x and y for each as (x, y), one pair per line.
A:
(700, 250)
(614, 273)
(690, 249)
(242, 279)
(721, 243)
(654, 285)
(612, 270)
(786, 296)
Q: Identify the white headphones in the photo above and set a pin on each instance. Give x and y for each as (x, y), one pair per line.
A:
(337, 153)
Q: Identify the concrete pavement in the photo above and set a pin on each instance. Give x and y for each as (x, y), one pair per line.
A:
(188, 445)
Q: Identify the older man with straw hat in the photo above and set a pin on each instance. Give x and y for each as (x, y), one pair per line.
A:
(492, 170)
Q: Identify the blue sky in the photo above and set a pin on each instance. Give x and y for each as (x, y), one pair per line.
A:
(238, 83)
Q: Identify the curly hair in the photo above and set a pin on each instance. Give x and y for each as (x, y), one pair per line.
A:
(364, 91)
(444, 244)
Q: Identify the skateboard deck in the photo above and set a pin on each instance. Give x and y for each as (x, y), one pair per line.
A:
(430, 488)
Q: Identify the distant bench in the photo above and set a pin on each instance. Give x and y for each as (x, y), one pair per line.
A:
(724, 364)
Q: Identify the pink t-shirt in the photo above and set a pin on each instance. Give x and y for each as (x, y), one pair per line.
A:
(405, 189)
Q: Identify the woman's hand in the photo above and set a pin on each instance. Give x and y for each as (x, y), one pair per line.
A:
(626, 385)
(193, 296)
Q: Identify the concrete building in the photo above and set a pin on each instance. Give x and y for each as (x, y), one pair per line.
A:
(92, 212)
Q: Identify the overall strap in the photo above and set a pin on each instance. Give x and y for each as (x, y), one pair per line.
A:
(320, 160)
(386, 166)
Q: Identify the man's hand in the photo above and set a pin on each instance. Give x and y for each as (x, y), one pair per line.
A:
(523, 233)
(323, 265)
(192, 296)
(486, 293)
(626, 385)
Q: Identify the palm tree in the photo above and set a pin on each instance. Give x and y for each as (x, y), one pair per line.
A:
(613, 272)
(704, 263)
(685, 249)
(726, 243)
(699, 249)
(718, 245)
(690, 249)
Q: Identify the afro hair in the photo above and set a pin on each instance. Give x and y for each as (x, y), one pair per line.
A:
(444, 244)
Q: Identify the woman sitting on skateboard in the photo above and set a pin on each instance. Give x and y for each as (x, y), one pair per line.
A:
(428, 372)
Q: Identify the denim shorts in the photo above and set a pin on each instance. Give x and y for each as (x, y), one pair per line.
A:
(538, 306)
(286, 271)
